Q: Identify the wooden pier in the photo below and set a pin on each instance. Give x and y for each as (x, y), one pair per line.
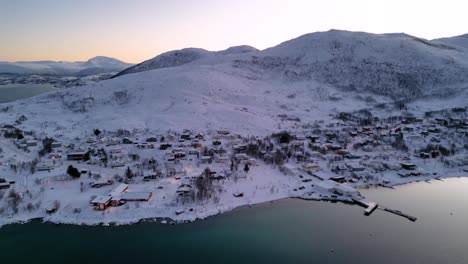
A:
(370, 206)
(409, 217)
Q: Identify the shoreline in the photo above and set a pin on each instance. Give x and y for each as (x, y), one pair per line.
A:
(166, 220)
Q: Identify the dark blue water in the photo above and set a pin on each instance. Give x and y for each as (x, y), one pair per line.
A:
(286, 231)
(12, 92)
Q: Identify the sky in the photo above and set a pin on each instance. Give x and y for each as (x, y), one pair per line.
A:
(137, 30)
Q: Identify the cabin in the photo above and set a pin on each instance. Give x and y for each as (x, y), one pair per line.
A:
(223, 132)
(179, 155)
(100, 184)
(339, 179)
(355, 167)
(115, 164)
(184, 189)
(222, 159)
(4, 185)
(187, 135)
(101, 202)
(206, 159)
(77, 155)
(55, 156)
(136, 196)
(150, 177)
(241, 156)
(44, 166)
(408, 166)
(200, 136)
(31, 143)
(424, 155)
(151, 139)
(56, 144)
(310, 167)
(164, 146)
(145, 145)
(126, 140)
(240, 148)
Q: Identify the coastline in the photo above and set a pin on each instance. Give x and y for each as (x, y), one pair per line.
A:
(186, 218)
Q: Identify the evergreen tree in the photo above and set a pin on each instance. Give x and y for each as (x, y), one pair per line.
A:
(73, 172)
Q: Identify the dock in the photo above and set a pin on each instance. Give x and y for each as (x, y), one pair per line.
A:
(369, 205)
(409, 217)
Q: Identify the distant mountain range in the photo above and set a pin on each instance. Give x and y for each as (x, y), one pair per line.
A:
(93, 66)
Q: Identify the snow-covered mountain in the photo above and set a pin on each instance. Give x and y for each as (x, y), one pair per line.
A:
(297, 82)
(181, 57)
(95, 65)
(460, 42)
(396, 65)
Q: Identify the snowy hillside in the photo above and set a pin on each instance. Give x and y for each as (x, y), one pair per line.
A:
(395, 65)
(95, 65)
(181, 57)
(313, 77)
(460, 42)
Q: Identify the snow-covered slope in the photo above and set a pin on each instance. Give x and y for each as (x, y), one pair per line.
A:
(95, 65)
(303, 80)
(181, 57)
(460, 42)
(396, 65)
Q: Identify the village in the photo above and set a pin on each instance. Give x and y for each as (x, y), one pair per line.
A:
(125, 176)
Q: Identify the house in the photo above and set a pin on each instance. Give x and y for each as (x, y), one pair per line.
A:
(222, 159)
(43, 166)
(115, 151)
(136, 196)
(31, 143)
(223, 132)
(116, 201)
(151, 177)
(55, 156)
(408, 166)
(170, 157)
(164, 146)
(77, 155)
(310, 167)
(339, 179)
(117, 191)
(101, 202)
(4, 185)
(179, 155)
(241, 156)
(335, 187)
(240, 148)
(184, 189)
(151, 139)
(145, 145)
(187, 135)
(200, 136)
(126, 140)
(115, 164)
(424, 155)
(206, 159)
(252, 162)
(100, 184)
(355, 167)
